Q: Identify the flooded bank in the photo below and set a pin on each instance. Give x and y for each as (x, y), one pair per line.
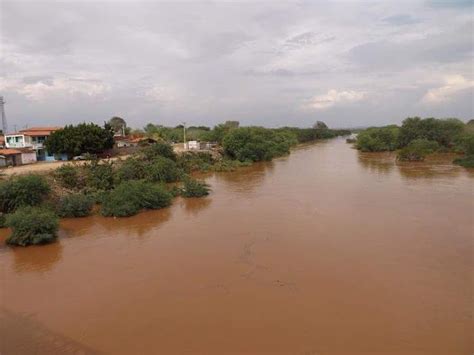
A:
(326, 251)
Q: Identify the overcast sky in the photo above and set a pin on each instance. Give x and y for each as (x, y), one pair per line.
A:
(268, 63)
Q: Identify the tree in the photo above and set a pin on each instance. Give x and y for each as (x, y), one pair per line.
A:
(32, 225)
(445, 131)
(25, 190)
(83, 138)
(320, 125)
(118, 124)
(256, 143)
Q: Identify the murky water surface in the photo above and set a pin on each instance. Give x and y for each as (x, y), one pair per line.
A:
(327, 251)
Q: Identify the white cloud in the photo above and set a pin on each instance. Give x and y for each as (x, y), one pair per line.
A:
(334, 97)
(161, 94)
(452, 85)
(57, 87)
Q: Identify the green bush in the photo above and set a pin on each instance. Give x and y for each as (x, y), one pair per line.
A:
(256, 143)
(68, 176)
(32, 225)
(443, 131)
(99, 175)
(417, 150)
(466, 161)
(162, 169)
(195, 161)
(26, 190)
(75, 205)
(129, 197)
(159, 149)
(378, 139)
(195, 188)
(131, 169)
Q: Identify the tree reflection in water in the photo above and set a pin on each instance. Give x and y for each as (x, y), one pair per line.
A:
(246, 179)
(379, 163)
(36, 258)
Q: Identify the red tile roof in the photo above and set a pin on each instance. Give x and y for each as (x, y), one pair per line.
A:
(9, 151)
(39, 131)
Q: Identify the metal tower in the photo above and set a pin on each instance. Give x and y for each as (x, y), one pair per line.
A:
(4, 118)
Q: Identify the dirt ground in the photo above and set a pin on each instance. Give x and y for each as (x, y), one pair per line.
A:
(44, 166)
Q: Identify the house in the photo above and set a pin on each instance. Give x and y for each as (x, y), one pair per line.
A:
(33, 138)
(10, 157)
(14, 157)
(193, 145)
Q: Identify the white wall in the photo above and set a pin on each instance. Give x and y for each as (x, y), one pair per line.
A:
(28, 158)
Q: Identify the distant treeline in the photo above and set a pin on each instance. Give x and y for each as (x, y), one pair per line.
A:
(417, 137)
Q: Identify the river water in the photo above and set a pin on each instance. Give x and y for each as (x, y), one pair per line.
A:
(326, 251)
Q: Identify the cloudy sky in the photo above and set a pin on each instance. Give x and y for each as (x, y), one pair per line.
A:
(350, 63)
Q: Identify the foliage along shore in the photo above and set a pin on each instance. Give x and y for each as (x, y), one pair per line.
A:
(416, 138)
(31, 205)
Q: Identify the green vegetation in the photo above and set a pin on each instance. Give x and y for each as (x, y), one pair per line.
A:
(83, 138)
(99, 175)
(257, 143)
(26, 190)
(162, 170)
(443, 131)
(32, 225)
(75, 205)
(467, 161)
(194, 161)
(129, 197)
(131, 169)
(195, 188)
(378, 139)
(418, 137)
(159, 149)
(417, 150)
(68, 176)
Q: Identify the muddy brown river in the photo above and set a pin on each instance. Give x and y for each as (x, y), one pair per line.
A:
(326, 251)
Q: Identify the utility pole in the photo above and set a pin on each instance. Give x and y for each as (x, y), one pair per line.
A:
(4, 117)
(184, 135)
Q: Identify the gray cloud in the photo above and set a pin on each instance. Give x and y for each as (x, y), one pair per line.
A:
(287, 63)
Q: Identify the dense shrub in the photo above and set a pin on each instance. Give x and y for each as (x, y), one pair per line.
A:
(195, 188)
(443, 131)
(129, 197)
(68, 176)
(192, 161)
(378, 139)
(32, 225)
(466, 161)
(75, 205)
(256, 143)
(99, 175)
(159, 149)
(26, 190)
(162, 169)
(131, 169)
(417, 150)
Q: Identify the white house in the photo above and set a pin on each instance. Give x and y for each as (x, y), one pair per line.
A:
(33, 138)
